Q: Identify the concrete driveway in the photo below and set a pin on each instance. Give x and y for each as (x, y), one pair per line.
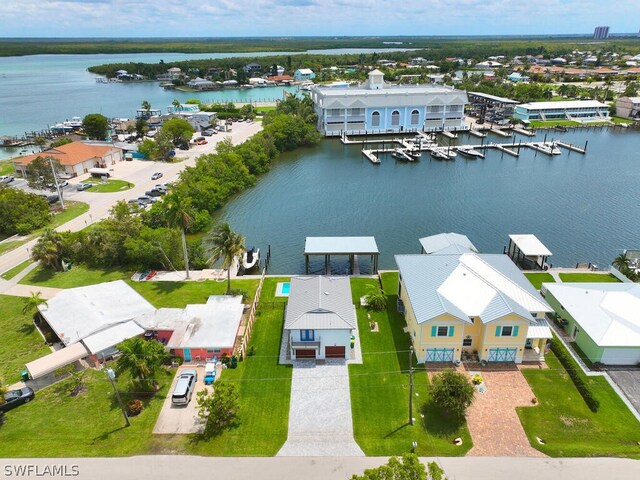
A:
(629, 382)
(174, 419)
(320, 422)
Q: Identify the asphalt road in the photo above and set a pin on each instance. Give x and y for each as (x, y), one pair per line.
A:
(315, 468)
(137, 172)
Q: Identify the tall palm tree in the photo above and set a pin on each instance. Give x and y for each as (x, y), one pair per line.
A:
(48, 249)
(223, 243)
(31, 303)
(177, 106)
(179, 214)
(621, 262)
(142, 359)
(146, 106)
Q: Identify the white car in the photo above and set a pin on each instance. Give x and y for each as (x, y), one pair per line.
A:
(6, 179)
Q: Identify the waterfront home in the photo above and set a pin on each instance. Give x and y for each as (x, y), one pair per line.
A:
(281, 79)
(628, 107)
(517, 77)
(75, 158)
(489, 64)
(471, 306)
(304, 74)
(575, 110)
(183, 109)
(174, 73)
(201, 121)
(320, 318)
(202, 84)
(603, 319)
(252, 68)
(378, 107)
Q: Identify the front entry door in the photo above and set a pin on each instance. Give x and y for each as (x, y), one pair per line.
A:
(529, 343)
(187, 354)
(575, 332)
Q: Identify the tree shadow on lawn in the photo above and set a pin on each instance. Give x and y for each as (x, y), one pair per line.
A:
(43, 275)
(397, 430)
(26, 328)
(401, 339)
(439, 424)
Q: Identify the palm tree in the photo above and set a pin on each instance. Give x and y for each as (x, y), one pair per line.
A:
(32, 302)
(179, 214)
(176, 105)
(146, 106)
(48, 249)
(141, 358)
(223, 243)
(621, 262)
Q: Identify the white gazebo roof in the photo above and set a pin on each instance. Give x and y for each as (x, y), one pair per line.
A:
(529, 245)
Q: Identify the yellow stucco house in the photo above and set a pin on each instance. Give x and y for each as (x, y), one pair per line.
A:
(470, 305)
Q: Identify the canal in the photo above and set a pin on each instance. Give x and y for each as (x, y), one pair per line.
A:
(585, 208)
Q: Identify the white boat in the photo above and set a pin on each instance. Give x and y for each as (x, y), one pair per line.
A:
(402, 155)
(414, 153)
(548, 148)
(470, 153)
(440, 155)
(250, 258)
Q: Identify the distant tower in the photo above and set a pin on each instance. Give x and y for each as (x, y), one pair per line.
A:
(376, 80)
(601, 33)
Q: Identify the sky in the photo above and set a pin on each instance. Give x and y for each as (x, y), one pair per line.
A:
(237, 18)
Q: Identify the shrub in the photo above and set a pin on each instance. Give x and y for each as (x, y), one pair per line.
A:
(134, 407)
(572, 369)
(452, 392)
(240, 291)
(476, 379)
(376, 298)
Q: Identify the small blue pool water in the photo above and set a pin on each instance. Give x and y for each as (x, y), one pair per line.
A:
(285, 288)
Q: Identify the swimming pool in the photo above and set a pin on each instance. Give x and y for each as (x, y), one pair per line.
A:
(282, 289)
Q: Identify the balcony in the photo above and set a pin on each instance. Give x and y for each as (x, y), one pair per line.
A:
(306, 344)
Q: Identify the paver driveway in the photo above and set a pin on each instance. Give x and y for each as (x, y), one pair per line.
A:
(492, 419)
(320, 422)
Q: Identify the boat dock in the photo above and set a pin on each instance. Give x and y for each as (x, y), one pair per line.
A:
(523, 131)
(448, 134)
(500, 133)
(570, 146)
(371, 156)
(503, 148)
(477, 133)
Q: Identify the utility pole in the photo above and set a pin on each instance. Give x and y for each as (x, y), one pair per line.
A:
(411, 386)
(55, 181)
(112, 375)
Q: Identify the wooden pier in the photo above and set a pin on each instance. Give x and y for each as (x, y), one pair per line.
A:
(500, 133)
(572, 147)
(478, 134)
(504, 148)
(523, 131)
(448, 134)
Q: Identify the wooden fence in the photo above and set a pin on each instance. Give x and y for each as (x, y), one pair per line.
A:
(243, 340)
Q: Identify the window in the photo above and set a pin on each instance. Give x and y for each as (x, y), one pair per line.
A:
(415, 117)
(375, 119)
(443, 331)
(306, 335)
(506, 331)
(467, 342)
(435, 109)
(395, 118)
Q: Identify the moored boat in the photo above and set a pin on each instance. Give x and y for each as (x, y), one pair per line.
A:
(250, 258)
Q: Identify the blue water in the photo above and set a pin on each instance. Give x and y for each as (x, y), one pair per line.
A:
(583, 207)
(285, 288)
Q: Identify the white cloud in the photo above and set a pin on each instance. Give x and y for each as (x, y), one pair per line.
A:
(311, 17)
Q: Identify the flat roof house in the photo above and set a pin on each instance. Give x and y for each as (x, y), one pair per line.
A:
(376, 107)
(320, 318)
(602, 318)
(575, 110)
(471, 306)
(76, 158)
(628, 107)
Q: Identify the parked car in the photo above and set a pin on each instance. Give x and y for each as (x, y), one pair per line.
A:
(208, 133)
(201, 142)
(15, 398)
(146, 199)
(134, 200)
(6, 179)
(154, 193)
(83, 186)
(156, 176)
(53, 198)
(184, 388)
(183, 146)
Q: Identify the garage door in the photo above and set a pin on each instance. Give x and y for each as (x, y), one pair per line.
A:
(621, 356)
(502, 354)
(306, 353)
(334, 352)
(439, 354)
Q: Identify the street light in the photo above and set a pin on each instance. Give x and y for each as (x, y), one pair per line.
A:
(112, 376)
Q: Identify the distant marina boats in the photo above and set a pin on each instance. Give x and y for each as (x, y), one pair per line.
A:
(549, 149)
(440, 155)
(402, 155)
(470, 153)
(67, 126)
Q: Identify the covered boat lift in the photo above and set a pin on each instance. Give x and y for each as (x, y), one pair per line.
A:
(344, 246)
(527, 252)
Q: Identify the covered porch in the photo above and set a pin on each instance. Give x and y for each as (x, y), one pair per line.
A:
(342, 246)
(527, 252)
(538, 336)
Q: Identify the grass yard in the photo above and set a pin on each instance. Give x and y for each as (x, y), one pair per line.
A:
(6, 168)
(9, 274)
(78, 276)
(179, 294)
(56, 424)
(269, 289)
(566, 424)
(553, 123)
(109, 186)
(588, 277)
(261, 110)
(10, 245)
(537, 279)
(264, 388)
(72, 210)
(21, 342)
(621, 120)
(380, 388)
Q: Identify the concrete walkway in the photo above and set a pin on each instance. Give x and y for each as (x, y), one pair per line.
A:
(320, 422)
(25, 291)
(170, 467)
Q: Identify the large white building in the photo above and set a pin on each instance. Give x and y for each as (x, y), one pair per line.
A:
(378, 107)
(575, 110)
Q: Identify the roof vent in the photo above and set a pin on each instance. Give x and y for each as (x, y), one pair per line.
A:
(326, 293)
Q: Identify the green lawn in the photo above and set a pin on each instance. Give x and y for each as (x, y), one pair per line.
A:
(6, 168)
(269, 289)
(537, 279)
(581, 354)
(261, 110)
(621, 120)
(109, 186)
(179, 294)
(78, 276)
(10, 245)
(21, 342)
(380, 389)
(553, 123)
(56, 424)
(566, 424)
(9, 274)
(588, 277)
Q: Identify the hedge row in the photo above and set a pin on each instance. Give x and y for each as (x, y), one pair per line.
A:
(572, 369)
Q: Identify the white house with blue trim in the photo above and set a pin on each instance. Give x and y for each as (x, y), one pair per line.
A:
(304, 75)
(376, 107)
